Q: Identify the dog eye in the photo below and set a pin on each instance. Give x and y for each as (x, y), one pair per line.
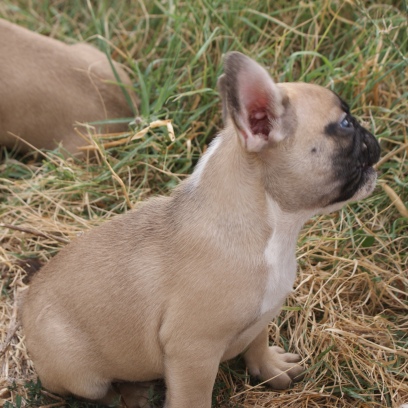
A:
(345, 123)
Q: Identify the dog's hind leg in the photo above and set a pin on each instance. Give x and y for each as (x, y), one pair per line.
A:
(135, 395)
(85, 385)
(64, 358)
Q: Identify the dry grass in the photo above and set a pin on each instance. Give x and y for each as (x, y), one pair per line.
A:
(348, 317)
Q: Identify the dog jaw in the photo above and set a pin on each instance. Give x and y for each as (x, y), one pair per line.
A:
(364, 191)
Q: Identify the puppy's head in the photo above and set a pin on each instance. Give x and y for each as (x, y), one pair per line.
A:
(313, 153)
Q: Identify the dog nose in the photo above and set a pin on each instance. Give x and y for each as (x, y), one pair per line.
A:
(372, 147)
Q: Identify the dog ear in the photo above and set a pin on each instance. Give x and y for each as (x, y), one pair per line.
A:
(252, 100)
(222, 89)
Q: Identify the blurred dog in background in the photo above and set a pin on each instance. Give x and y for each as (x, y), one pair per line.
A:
(47, 87)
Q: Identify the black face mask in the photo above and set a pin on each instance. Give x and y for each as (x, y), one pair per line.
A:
(357, 151)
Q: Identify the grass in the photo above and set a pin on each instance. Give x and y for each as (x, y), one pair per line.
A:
(348, 317)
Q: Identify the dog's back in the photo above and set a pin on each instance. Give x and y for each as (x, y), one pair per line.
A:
(47, 86)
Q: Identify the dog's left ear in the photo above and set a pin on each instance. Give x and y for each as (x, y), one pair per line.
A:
(252, 100)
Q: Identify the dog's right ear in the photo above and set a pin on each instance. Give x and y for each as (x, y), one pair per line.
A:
(252, 100)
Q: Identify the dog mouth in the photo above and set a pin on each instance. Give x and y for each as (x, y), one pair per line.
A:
(365, 167)
(354, 181)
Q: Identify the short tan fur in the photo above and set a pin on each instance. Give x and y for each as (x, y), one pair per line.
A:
(187, 281)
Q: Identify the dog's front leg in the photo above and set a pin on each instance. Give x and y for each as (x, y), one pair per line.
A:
(190, 377)
(272, 364)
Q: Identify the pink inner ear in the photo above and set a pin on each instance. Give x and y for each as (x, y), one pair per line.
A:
(256, 105)
(259, 122)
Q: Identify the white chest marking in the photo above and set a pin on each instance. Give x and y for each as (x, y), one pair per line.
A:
(199, 169)
(280, 255)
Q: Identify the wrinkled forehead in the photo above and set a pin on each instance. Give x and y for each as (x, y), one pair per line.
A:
(311, 100)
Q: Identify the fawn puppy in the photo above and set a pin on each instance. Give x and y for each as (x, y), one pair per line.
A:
(47, 86)
(187, 281)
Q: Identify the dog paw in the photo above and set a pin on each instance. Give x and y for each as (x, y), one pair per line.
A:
(277, 368)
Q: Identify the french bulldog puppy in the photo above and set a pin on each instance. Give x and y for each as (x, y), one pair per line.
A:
(187, 281)
(47, 86)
